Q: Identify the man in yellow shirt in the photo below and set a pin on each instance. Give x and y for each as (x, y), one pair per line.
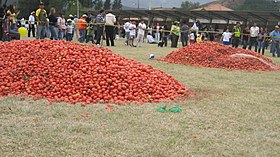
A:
(41, 18)
(236, 35)
(175, 30)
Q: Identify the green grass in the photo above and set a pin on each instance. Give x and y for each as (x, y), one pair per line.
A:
(232, 113)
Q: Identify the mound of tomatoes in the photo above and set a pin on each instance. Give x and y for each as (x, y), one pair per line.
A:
(216, 55)
(63, 71)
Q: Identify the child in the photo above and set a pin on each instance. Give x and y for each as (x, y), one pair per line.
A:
(90, 33)
(199, 38)
(191, 37)
(132, 34)
(226, 37)
(69, 30)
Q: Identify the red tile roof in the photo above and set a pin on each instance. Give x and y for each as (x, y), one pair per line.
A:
(214, 7)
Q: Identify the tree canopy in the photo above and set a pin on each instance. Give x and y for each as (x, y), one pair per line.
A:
(117, 5)
(107, 5)
(259, 5)
(187, 5)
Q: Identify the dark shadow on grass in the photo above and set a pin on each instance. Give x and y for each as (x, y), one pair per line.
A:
(204, 93)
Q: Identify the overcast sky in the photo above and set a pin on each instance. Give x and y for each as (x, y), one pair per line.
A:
(159, 3)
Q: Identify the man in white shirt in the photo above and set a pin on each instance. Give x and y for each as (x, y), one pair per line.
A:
(254, 31)
(141, 32)
(226, 37)
(110, 20)
(31, 24)
(132, 34)
(127, 31)
(150, 39)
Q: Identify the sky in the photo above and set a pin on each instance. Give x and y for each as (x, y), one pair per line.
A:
(159, 3)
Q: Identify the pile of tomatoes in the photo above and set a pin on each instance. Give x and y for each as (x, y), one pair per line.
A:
(216, 55)
(62, 71)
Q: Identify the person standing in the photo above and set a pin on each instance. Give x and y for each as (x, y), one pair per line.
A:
(89, 18)
(2, 13)
(184, 34)
(76, 30)
(52, 24)
(236, 35)
(175, 31)
(141, 33)
(211, 33)
(195, 29)
(127, 31)
(100, 26)
(157, 34)
(132, 28)
(226, 36)
(275, 36)
(261, 39)
(245, 37)
(254, 31)
(90, 34)
(71, 17)
(82, 26)
(41, 18)
(31, 24)
(69, 30)
(165, 34)
(110, 20)
(61, 22)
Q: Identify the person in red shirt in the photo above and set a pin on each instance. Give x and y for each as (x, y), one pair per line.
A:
(82, 26)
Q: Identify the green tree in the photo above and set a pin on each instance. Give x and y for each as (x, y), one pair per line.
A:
(259, 5)
(117, 5)
(107, 4)
(98, 4)
(187, 5)
(27, 6)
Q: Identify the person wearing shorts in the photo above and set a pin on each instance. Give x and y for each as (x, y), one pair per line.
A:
(132, 34)
(226, 37)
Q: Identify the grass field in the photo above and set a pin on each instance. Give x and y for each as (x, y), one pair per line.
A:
(232, 113)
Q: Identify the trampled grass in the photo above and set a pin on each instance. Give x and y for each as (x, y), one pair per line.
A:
(232, 113)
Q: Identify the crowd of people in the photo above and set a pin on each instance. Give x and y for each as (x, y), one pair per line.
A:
(105, 26)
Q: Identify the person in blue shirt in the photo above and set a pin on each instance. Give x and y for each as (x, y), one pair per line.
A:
(275, 36)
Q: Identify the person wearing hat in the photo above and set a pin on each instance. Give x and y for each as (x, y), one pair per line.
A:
(275, 37)
(31, 24)
(71, 17)
(41, 18)
(69, 30)
(175, 31)
(82, 26)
